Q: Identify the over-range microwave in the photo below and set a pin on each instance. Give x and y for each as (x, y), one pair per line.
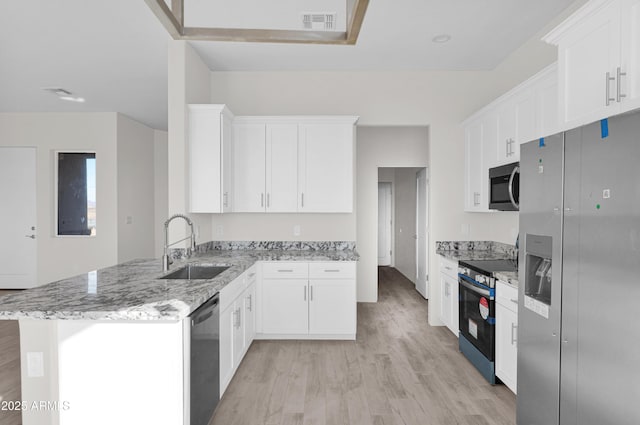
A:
(504, 187)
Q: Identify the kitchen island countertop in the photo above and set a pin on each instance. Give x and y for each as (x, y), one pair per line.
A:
(134, 290)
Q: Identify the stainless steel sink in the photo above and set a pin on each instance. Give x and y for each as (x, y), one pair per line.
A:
(196, 271)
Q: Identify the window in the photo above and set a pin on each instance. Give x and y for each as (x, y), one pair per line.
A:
(76, 193)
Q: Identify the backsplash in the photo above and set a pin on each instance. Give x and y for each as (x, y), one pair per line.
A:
(178, 253)
(476, 246)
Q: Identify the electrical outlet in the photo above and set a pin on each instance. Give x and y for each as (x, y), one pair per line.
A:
(129, 220)
(219, 230)
(465, 229)
(296, 230)
(35, 364)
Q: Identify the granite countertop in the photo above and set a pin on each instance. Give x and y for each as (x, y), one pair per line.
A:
(508, 277)
(133, 290)
(470, 255)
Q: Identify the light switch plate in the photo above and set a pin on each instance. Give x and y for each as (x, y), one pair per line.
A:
(296, 230)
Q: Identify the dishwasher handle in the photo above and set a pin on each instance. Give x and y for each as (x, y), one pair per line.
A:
(205, 311)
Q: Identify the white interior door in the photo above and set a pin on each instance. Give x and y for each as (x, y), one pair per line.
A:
(384, 224)
(422, 237)
(18, 223)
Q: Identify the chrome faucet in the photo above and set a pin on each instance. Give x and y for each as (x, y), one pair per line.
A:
(192, 246)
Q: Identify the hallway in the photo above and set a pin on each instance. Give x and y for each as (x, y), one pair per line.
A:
(400, 371)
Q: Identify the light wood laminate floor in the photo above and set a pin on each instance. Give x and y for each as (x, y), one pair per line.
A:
(9, 367)
(399, 371)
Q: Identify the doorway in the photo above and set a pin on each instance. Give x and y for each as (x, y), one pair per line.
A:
(18, 212)
(404, 190)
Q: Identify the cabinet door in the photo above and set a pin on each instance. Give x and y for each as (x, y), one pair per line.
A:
(445, 300)
(455, 328)
(506, 130)
(238, 317)
(525, 125)
(630, 55)
(227, 163)
(586, 55)
(332, 306)
(282, 168)
(250, 315)
(205, 158)
(249, 167)
(226, 348)
(506, 346)
(474, 196)
(285, 306)
(546, 93)
(325, 164)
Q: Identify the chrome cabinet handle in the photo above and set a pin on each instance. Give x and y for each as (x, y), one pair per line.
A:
(446, 290)
(268, 200)
(619, 75)
(262, 199)
(608, 79)
(305, 293)
(514, 334)
(226, 199)
(331, 270)
(513, 300)
(236, 318)
(302, 199)
(250, 298)
(285, 270)
(311, 294)
(476, 198)
(506, 147)
(30, 236)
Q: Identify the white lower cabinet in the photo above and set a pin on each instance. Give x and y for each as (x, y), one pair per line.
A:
(307, 300)
(449, 294)
(507, 334)
(285, 306)
(237, 324)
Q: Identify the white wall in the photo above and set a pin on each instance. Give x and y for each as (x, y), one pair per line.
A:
(161, 183)
(63, 257)
(136, 190)
(405, 228)
(189, 82)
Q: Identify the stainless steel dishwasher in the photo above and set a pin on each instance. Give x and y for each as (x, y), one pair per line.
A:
(205, 361)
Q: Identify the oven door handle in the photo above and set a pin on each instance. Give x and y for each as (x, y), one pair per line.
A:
(474, 288)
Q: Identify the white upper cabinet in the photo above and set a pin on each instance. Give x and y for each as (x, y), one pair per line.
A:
(282, 168)
(249, 167)
(598, 63)
(325, 166)
(475, 197)
(209, 136)
(493, 135)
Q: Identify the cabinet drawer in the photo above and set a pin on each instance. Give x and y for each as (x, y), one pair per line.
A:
(332, 270)
(285, 270)
(507, 296)
(449, 267)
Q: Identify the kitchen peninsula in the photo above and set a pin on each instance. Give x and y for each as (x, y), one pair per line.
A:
(111, 346)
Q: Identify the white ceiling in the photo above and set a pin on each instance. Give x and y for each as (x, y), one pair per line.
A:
(114, 53)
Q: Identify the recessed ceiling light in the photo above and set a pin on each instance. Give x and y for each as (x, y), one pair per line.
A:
(72, 99)
(441, 38)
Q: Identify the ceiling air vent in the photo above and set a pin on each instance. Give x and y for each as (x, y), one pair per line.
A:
(319, 21)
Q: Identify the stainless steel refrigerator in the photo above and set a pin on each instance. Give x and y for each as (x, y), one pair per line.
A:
(579, 294)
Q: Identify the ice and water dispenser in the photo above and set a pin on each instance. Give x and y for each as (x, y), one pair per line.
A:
(538, 269)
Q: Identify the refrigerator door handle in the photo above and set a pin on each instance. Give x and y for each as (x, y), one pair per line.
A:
(474, 288)
(513, 174)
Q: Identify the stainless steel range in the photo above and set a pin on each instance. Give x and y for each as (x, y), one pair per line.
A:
(477, 312)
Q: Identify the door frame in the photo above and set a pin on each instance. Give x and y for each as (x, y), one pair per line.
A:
(426, 227)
